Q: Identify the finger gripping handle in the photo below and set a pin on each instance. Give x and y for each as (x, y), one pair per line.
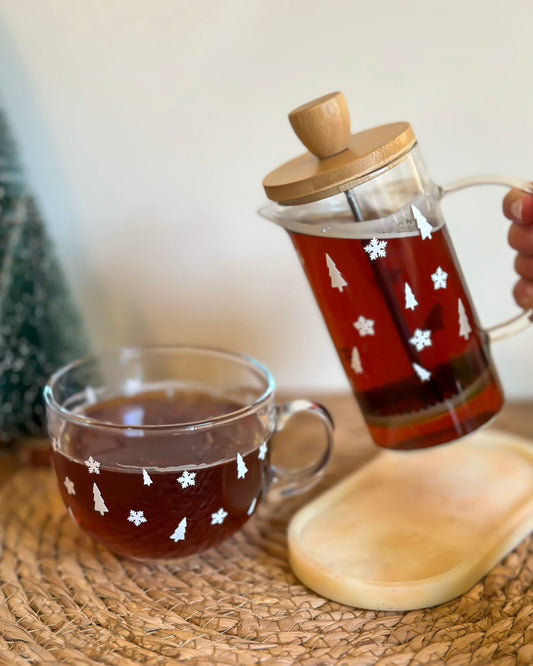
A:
(523, 320)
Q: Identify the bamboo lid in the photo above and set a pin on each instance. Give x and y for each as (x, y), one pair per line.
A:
(335, 160)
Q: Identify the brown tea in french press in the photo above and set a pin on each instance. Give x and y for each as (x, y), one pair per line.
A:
(366, 222)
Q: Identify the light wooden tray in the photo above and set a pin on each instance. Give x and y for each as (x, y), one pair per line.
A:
(412, 530)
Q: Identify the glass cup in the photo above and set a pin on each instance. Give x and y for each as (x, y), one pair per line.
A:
(164, 452)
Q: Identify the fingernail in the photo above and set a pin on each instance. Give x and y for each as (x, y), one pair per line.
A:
(516, 209)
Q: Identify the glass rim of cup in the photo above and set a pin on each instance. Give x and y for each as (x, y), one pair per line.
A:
(185, 426)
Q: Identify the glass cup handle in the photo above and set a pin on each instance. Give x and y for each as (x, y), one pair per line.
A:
(286, 483)
(523, 320)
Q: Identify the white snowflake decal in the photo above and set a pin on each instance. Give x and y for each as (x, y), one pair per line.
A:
(376, 248)
(262, 451)
(219, 517)
(364, 326)
(439, 278)
(69, 485)
(93, 465)
(187, 479)
(421, 339)
(137, 517)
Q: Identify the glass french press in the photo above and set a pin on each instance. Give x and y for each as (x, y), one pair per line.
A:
(366, 222)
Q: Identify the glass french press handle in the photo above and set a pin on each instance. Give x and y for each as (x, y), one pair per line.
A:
(523, 320)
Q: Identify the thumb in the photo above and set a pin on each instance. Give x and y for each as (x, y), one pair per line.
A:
(518, 207)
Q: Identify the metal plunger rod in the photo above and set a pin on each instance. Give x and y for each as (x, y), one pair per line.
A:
(354, 206)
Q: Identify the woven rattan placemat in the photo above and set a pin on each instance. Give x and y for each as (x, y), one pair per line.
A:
(64, 599)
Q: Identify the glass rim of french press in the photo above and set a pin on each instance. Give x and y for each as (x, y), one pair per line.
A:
(180, 427)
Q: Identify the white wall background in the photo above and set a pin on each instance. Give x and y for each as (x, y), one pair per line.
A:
(146, 127)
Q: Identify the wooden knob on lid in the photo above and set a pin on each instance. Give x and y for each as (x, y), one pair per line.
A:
(335, 161)
(323, 125)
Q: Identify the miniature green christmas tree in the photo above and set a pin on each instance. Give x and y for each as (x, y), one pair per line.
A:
(40, 329)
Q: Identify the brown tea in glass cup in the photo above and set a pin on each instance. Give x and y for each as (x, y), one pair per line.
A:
(164, 452)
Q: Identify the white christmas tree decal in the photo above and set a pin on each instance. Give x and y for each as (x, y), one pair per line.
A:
(421, 339)
(439, 278)
(137, 517)
(69, 485)
(376, 248)
(132, 385)
(241, 467)
(423, 374)
(219, 517)
(187, 479)
(147, 479)
(99, 504)
(410, 300)
(179, 532)
(251, 508)
(90, 395)
(364, 326)
(356, 364)
(423, 225)
(262, 451)
(337, 281)
(464, 325)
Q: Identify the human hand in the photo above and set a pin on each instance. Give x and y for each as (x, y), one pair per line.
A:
(518, 207)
